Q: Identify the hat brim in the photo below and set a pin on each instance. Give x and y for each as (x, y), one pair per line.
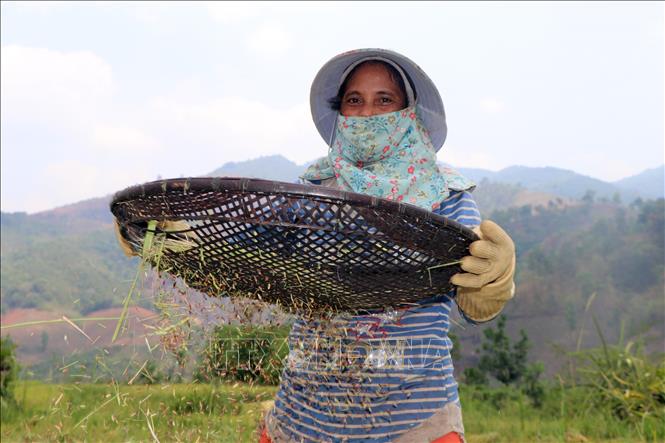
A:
(327, 82)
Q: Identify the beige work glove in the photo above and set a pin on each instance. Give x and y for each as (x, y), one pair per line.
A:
(488, 281)
(180, 242)
(124, 244)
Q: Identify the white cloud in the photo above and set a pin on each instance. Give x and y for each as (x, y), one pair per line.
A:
(229, 12)
(70, 181)
(238, 128)
(270, 41)
(41, 7)
(492, 105)
(70, 96)
(122, 139)
(71, 177)
(53, 87)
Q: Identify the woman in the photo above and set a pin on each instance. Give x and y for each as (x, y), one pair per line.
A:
(387, 376)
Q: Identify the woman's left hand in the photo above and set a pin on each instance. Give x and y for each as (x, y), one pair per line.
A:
(491, 257)
(487, 284)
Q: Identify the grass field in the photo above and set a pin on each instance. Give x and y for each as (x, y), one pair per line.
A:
(231, 413)
(143, 413)
(504, 415)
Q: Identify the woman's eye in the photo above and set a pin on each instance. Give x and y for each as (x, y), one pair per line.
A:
(385, 100)
(353, 100)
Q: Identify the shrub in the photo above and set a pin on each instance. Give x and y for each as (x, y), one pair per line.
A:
(8, 371)
(245, 353)
(531, 384)
(475, 376)
(622, 379)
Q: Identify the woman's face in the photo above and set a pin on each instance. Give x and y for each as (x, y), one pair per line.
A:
(370, 91)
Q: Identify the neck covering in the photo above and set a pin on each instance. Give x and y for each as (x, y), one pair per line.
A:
(389, 156)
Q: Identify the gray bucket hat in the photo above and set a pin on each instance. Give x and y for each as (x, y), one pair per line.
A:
(330, 77)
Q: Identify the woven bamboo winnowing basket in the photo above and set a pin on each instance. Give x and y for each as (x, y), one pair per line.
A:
(304, 247)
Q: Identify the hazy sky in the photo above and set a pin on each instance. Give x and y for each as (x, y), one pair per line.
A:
(100, 96)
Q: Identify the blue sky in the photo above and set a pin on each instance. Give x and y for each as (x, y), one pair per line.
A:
(98, 96)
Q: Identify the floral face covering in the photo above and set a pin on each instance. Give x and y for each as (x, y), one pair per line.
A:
(389, 156)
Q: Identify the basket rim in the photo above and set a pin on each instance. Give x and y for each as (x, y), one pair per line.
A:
(257, 185)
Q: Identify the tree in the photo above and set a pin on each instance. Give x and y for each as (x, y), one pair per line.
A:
(589, 196)
(498, 359)
(507, 363)
(8, 371)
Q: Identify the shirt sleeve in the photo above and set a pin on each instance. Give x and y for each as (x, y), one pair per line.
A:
(461, 207)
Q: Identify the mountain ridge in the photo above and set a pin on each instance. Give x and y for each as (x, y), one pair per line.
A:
(558, 182)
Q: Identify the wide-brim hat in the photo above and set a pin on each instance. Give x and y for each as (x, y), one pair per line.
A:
(330, 77)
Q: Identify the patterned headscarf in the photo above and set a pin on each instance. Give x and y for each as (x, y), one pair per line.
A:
(390, 156)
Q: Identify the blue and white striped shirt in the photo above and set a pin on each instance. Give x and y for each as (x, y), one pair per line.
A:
(360, 378)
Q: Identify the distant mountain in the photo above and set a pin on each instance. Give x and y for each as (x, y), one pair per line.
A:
(475, 174)
(491, 196)
(650, 183)
(558, 181)
(274, 167)
(519, 184)
(85, 215)
(569, 184)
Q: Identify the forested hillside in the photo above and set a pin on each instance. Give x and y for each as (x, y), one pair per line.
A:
(53, 262)
(604, 253)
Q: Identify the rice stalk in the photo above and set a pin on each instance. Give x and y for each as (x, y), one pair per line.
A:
(137, 373)
(429, 273)
(77, 328)
(58, 320)
(174, 236)
(93, 412)
(151, 425)
(147, 245)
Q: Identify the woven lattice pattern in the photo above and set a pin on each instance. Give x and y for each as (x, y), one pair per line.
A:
(307, 248)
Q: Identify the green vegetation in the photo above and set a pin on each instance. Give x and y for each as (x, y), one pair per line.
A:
(622, 381)
(507, 363)
(503, 415)
(232, 412)
(8, 373)
(498, 359)
(85, 412)
(612, 394)
(615, 393)
(245, 353)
